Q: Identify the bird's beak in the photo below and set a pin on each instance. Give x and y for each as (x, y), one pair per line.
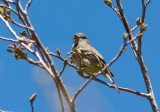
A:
(76, 36)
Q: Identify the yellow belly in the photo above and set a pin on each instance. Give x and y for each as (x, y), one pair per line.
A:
(89, 64)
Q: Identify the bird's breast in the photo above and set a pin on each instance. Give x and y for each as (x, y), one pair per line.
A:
(89, 64)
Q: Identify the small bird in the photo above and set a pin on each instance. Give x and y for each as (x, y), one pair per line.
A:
(88, 58)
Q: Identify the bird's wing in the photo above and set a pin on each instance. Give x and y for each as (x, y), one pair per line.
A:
(91, 52)
(94, 54)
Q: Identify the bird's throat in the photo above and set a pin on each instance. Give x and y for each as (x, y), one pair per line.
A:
(76, 44)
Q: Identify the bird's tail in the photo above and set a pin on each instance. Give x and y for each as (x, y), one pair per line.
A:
(109, 76)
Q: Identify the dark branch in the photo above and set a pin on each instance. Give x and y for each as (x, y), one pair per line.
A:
(28, 4)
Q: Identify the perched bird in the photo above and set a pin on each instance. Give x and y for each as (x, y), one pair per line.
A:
(88, 58)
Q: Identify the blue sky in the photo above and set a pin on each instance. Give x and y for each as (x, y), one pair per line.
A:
(56, 21)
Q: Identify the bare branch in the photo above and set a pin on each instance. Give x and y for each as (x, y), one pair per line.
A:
(134, 28)
(20, 17)
(144, 10)
(32, 98)
(144, 6)
(8, 1)
(9, 7)
(61, 58)
(43, 57)
(148, 2)
(34, 63)
(116, 11)
(28, 4)
(10, 28)
(5, 111)
(9, 39)
(16, 41)
(120, 52)
(138, 53)
(120, 88)
(61, 99)
(20, 25)
(126, 25)
(109, 3)
(64, 66)
(84, 85)
(52, 69)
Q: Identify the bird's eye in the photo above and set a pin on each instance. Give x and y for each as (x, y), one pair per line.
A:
(83, 37)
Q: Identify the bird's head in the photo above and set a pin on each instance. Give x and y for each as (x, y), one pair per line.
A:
(80, 38)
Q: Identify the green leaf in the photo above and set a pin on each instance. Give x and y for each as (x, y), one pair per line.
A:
(23, 33)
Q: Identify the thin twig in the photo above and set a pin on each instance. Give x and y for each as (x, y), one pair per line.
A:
(17, 41)
(120, 53)
(24, 17)
(134, 28)
(28, 4)
(35, 63)
(10, 28)
(18, 14)
(20, 17)
(120, 88)
(20, 25)
(115, 10)
(9, 39)
(43, 57)
(32, 106)
(9, 7)
(40, 62)
(144, 6)
(64, 66)
(61, 58)
(32, 99)
(144, 10)
(5, 2)
(84, 85)
(61, 99)
(148, 2)
(9, 1)
(5, 111)
(126, 25)
(16, 36)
